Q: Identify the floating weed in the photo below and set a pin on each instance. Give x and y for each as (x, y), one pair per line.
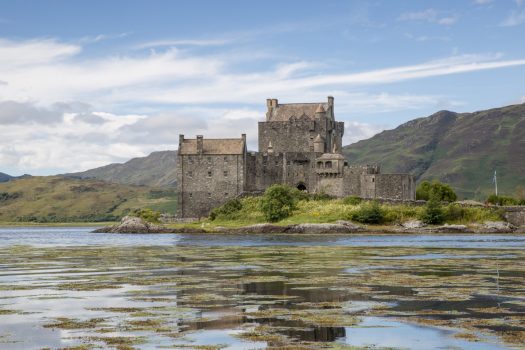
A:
(68, 323)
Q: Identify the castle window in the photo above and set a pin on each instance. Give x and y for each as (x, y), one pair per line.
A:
(276, 163)
(209, 173)
(190, 159)
(328, 165)
(225, 173)
(225, 158)
(226, 194)
(209, 194)
(209, 159)
(373, 179)
(319, 165)
(191, 195)
(190, 173)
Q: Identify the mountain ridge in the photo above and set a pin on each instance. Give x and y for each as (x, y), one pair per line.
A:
(462, 149)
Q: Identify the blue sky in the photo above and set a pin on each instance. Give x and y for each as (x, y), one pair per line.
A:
(87, 83)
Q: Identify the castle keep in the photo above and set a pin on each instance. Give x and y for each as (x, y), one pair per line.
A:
(299, 145)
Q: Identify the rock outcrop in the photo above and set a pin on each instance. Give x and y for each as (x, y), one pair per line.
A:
(131, 224)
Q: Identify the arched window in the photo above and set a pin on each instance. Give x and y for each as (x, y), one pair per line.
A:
(328, 164)
(319, 165)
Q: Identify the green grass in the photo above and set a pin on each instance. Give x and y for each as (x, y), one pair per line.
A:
(54, 199)
(330, 211)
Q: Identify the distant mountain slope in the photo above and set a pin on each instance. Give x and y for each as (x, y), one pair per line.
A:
(4, 177)
(462, 149)
(60, 199)
(158, 169)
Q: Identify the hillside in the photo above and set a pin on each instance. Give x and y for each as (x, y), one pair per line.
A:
(4, 177)
(156, 170)
(59, 199)
(462, 149)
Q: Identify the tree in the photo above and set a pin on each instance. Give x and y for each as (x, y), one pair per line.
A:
(442, 192)
(278, 202)
(433, 213)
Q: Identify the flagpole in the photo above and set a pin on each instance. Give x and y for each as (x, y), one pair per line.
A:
(496, 182)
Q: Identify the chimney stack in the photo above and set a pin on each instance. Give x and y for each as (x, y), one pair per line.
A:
(181, 140)
(331, 101)
(199, 144)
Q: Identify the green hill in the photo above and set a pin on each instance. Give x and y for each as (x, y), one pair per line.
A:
(462, 149)
(4, 177)
(59, 199)
(159, 169)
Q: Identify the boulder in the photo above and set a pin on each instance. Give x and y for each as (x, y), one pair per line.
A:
(497, 227)
(132, 224)
(413, 224)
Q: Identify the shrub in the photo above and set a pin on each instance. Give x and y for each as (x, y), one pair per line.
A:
(433, 212)
(368, 213)
(147, 215)
(443, 192)
(227, 210)
(501, 200)
(454, 212)
(320, 196)
(352, 200)
(278, 202)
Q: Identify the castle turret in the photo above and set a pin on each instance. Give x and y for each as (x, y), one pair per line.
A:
(320, 111)
(319, 144)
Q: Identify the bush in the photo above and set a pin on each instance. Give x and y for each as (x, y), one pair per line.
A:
(502, 200)
(441, 191)
(454, 212)
(147, 214)
(368, 213)
(320, 196)
(433, 212)
(227, 210)
(352, 200)
(278, 202)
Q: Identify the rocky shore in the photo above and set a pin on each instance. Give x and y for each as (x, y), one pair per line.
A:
(131, 224)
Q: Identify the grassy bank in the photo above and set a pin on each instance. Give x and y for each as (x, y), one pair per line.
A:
(332, 210)
(56, 200)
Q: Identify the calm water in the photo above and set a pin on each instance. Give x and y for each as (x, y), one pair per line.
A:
(63, 287)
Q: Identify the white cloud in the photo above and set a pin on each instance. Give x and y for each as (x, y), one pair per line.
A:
(429, 15)
(514, 19)
(356, 131)
(522, 100)
(178, 92)
(184, 42)
(483, 2)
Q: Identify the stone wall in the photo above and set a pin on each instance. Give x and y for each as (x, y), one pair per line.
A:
(395, 186)
(206, 181)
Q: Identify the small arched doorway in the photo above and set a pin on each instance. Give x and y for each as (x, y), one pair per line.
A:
(301, 186)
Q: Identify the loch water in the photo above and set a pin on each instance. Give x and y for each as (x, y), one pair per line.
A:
(65, 287)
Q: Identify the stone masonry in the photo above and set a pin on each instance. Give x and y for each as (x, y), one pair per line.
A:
(299, 145)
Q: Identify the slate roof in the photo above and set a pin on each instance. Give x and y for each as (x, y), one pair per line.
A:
(283, 112)
(213, 146)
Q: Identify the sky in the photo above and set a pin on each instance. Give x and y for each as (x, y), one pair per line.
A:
(88, 83)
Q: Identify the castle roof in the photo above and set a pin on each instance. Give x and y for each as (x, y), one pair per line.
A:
(283, 112)
(213, 146)
(331, 156)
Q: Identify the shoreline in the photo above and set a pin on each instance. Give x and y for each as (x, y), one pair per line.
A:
(137, 225)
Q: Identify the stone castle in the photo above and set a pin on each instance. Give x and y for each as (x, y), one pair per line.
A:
(299, 145)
